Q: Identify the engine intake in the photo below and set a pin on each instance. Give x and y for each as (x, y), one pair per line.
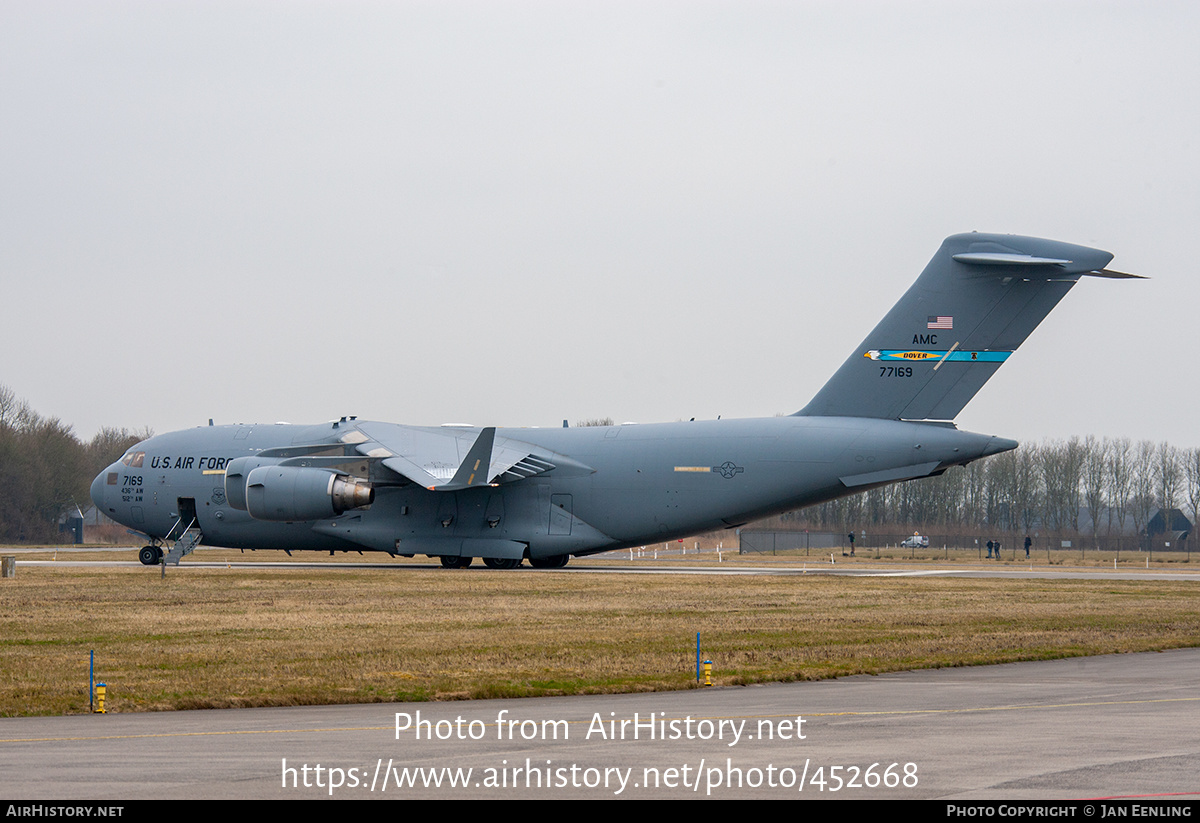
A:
(236, 471)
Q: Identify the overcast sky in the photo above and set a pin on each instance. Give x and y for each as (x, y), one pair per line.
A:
(511, 213)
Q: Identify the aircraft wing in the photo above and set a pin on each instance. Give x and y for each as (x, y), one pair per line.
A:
(449, 458)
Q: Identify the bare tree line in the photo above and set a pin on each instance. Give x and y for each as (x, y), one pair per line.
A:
(1037, 487)
(45, 470)
(1040, 487)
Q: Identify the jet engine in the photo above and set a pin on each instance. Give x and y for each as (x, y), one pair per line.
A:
(235, 478)
(289, 493)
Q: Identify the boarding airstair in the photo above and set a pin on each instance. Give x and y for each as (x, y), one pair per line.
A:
(184, 545)
(189, 537)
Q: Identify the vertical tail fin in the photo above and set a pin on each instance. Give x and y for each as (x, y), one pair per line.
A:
(978, 299)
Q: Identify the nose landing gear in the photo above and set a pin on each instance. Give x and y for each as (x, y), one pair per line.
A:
(150, 555)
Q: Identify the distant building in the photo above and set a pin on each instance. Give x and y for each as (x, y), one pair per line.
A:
(1108, 516)
(1168, 521)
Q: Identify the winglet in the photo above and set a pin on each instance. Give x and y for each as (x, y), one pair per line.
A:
(473, 471)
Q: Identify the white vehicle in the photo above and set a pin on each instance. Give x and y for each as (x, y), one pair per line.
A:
(917, 541)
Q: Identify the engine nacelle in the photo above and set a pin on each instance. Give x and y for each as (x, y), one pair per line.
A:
(287, 493)
(236, 471)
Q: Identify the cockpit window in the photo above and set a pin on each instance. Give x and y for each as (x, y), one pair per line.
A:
(134, 459)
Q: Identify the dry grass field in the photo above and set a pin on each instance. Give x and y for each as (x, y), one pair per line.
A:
(215, 637)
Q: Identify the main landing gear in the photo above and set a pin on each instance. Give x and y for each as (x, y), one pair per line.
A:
(556, 562)
(501, 563)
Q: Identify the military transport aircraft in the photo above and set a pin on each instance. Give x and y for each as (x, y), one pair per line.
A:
(505, 495)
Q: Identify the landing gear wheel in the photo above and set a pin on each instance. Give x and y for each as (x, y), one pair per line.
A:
(556, 562)
(500, 563)
(150, 555)
(455, 562)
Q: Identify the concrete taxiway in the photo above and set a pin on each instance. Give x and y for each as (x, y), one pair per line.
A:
(1121, 725)
(1030, 571)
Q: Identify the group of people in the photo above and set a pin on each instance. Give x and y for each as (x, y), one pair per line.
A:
(993, 547)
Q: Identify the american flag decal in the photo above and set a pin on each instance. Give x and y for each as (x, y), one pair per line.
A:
(941, 321)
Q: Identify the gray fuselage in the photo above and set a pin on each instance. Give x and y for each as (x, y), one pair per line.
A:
(644, 483)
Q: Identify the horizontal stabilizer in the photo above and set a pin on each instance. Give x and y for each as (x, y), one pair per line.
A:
(1008, 259)
(1115, 275)
(979, 258)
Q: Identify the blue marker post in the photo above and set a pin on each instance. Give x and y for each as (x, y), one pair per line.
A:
(697, 657)
(92, 681)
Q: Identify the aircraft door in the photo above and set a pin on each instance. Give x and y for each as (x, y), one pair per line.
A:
(187, 513)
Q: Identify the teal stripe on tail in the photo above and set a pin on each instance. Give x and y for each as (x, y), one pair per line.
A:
(978, 299)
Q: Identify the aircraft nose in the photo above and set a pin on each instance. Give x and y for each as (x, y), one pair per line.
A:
(98, 486)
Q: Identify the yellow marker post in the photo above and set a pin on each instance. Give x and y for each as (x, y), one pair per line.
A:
(707, 672)
(100, 690)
